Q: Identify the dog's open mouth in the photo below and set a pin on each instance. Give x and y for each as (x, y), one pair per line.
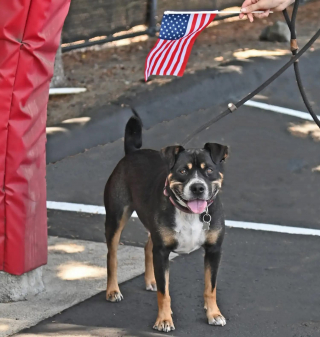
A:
(197, 206)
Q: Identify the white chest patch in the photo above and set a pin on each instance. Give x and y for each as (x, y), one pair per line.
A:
(189, 232)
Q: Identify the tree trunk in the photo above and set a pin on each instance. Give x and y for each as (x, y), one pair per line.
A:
(58, 78)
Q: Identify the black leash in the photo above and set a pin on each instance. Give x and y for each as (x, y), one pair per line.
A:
(294, 60)
(294, 49)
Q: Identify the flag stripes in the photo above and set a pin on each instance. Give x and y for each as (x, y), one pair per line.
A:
(170, 57)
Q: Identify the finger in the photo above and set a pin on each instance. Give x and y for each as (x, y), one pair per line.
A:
(250, 17)
(245, 4)
(260, 5)
(280, 8)
(242, 15)
(248, 3)
(262, 15)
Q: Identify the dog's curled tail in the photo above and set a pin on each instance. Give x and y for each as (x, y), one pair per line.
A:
(133, 134)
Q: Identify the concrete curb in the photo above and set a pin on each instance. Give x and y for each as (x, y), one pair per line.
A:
(19, 288)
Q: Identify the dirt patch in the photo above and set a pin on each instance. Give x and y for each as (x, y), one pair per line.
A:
(117, 69)
(305, 130)
(316, 169)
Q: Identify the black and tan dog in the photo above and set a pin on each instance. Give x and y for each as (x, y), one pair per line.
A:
(175, 194)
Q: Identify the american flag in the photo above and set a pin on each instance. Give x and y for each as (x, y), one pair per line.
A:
(178, 32)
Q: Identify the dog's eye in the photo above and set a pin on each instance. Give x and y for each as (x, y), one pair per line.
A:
(209, 170)
(183, 171)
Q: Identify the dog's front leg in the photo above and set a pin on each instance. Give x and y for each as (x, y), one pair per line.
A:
(161, 269)
(211, 264)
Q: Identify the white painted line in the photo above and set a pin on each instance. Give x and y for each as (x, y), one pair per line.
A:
(66, 91)
(92, 209)
(272, 228)
(68, 206)
(81, 208)
(284, 111)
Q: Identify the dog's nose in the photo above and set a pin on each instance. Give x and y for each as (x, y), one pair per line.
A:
(197, 189)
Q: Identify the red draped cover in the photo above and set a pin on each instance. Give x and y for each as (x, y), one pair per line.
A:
(29, 37)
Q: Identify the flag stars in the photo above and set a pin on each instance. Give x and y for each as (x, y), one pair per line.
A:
(175, 24)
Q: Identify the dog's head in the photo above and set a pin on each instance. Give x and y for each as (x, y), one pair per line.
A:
(195, 176)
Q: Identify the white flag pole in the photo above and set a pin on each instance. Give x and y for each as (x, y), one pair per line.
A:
(211, 12)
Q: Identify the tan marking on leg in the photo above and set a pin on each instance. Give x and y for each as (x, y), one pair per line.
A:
(203, 165)
(189, 166)
(164, 320)
(212, 236)
(169, 176)
(149, 272)
(210, 300)
(113, 292)
(168, 236)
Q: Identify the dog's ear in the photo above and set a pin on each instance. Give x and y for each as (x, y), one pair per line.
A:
(169, 154)
(218, 152)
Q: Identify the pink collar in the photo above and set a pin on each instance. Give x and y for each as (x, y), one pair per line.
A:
(166, 192)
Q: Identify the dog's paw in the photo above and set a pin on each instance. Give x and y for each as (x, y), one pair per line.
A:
(114, 296)
(217, 320)
(165, 325)
(151, 286)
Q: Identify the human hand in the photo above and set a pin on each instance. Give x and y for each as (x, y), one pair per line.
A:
(262, 5)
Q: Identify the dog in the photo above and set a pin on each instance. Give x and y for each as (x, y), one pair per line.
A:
(175, 193)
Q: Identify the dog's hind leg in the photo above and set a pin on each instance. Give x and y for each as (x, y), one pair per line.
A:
(149, 272)
(114, 226)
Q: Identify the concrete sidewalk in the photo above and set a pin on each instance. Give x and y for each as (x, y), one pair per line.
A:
(76, 270)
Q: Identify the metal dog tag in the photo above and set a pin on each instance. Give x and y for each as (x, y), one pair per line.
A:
(206, 226)
(206, 221)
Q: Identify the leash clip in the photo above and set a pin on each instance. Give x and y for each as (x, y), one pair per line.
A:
(206, 219)
(294, 45)
(232, 107)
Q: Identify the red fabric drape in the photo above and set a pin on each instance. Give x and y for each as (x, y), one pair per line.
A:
(29, 37)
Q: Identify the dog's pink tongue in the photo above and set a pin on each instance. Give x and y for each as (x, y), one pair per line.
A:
(197, 206)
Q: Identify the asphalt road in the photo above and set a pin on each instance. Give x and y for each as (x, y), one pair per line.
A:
(268, 283)
(183, 96)
(267, 286)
